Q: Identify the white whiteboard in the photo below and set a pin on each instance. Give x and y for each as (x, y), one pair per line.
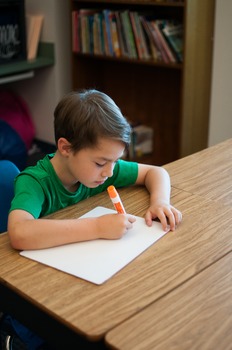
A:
(98, 260)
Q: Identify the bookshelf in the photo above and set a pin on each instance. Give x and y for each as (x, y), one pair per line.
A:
(44, 59)
(171, 98)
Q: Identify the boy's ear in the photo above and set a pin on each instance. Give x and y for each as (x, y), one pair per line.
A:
(64, 146)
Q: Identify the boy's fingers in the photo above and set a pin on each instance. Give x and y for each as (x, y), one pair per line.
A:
(148, 218)
(131, 218)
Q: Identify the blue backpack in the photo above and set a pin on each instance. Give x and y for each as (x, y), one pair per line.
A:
(17, 335)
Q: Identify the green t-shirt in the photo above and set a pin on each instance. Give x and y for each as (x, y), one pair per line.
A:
(39, 191)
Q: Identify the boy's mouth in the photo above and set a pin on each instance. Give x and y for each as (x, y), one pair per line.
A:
(100, 182)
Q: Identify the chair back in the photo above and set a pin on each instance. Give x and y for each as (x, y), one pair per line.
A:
(8, 172)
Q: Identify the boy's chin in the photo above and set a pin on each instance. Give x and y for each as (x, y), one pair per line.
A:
(93, 184)
(96, 184)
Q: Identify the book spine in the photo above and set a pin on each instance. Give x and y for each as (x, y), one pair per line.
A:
(174, 36)
(124, 36)
(108, 31)
(158, 43)
(120, 34)
(106, 45)
(114, 35)
(136, 36)
(126, 33)
(101, 34)
(129, 34)
(140, 31)
(96, 43)
(83, 34)
(163, 43)
(90, 21)
(154, 49)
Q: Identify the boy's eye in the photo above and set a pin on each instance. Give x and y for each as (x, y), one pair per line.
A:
(100, 165)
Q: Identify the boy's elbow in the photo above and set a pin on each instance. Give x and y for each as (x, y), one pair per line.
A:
(14, 241)
(15, 238)
(17, 228)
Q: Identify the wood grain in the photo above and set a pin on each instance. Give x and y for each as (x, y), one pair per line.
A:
(197, 315)
(202, 238)
(207, 173)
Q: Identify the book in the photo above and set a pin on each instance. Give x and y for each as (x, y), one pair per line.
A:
(173, 32)
(154, 48)
(96, 41)
(142, 140)
(105, 36)
(34, 28)
(137, 35)
(83, 33)
(98, 37)
(114, 34)
(86, 30)
(143, 42)
(90, 24)
(157, 24)
(125, 49)
(158, 43)
(121, 37)
(129, 34)
(101, 33)
(110, 49)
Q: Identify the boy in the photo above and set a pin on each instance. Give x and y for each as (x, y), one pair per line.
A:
(91, 135)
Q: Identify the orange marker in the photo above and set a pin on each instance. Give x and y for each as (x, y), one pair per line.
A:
(114, 196)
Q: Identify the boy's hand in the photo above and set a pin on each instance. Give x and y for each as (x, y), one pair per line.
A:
(166, 213)
(114, 226)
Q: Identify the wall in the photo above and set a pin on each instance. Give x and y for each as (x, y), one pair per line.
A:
(221, 98)
(49, 84)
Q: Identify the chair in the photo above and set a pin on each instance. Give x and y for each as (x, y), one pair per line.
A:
(13, 335)
(8, 172)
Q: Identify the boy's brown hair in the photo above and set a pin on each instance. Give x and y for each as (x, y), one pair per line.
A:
(83, 117)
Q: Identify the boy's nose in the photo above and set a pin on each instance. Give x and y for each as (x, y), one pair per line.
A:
(108, 172)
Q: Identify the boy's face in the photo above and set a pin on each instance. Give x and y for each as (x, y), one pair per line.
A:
(93, 166)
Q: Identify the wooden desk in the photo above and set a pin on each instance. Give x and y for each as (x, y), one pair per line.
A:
(197, 315)
(69, 306)
(207, 173)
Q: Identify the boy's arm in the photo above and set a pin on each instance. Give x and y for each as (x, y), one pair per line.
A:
(157, 181)
(25, 232)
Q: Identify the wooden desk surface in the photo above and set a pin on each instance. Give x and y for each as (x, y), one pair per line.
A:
(197, 315)
(207, 173)
(202, 238)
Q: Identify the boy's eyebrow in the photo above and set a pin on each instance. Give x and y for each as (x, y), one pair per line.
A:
(108, 159)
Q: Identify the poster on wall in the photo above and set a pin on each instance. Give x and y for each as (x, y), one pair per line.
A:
(12, 31)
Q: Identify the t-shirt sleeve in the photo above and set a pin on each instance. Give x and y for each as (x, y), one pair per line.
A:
(29, 195)
(125, 173)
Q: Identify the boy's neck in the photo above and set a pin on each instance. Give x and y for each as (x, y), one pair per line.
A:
(59, 166)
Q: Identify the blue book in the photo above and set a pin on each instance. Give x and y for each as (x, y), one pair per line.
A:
(106, 14)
